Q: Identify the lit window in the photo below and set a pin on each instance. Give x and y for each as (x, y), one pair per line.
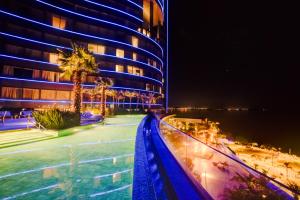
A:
(11, 93)
(119, 68)
(134, 56)
(8, 70)
(49, 76)
(90, 79)
(144, 32)
(149, 61)
(63, 95)
(53, 58)
(135, 41)
(120, 53)
(135, 70)
(160, 90)
(59, 22)
(154, 63)
(130, 69)
(31, 93)
(148, 87)
(96, 48)
(48, 94)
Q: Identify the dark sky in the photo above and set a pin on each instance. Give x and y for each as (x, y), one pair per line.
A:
(234, 53)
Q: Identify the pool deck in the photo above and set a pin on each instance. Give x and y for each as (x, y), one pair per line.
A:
(95, 162)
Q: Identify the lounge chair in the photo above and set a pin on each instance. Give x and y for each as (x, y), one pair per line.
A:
(26, 113)
(5, 114)
(89, 117)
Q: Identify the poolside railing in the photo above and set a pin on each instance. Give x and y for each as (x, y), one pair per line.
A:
(219, 173)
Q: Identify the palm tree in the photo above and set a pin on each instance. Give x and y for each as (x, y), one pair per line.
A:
(111, 93)
(119, 96)
(130, 95)
(76, 64)
(103, 83)
(138, 97)
(151, 99)
(287, 166)
(93, 92)
(143, 97)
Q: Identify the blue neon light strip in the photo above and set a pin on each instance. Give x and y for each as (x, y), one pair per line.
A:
(37, 61)
(71, 84)
(114, 9)
(160, 4)
(81, 34)
(103, 21)
(167, 60)
(67, 101)
(26, 59)
(62, 47)
(140, 90)
(114, 72)
(35, 41)
(133, 3)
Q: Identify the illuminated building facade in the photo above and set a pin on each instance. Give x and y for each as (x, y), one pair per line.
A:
(129, 39)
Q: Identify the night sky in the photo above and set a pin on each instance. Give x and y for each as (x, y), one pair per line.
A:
(234, 53)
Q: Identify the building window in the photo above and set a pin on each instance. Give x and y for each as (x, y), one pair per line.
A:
(119, 68)
(135, 70)
(63, 95)
(148, 86)
(90, 79)
(11, 93)
(30, 93)
(96, 48)
(160, 90)
(8, 70)
(59, 22)
(48, 94)
(135, 41)
(36, 74)
(64, 78)
(154, 63)
(53, 58)
(23, 73)
(134, 56)
(50, 76)
(120, 53)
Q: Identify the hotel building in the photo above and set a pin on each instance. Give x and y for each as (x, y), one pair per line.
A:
(129, 39)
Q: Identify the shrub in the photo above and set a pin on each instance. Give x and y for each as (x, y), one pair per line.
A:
(56, 119)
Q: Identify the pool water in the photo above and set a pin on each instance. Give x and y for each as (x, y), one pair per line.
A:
(94, 163)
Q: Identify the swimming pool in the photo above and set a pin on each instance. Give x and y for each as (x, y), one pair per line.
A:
(95, 163)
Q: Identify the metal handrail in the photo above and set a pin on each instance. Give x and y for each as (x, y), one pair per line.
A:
(37, 124)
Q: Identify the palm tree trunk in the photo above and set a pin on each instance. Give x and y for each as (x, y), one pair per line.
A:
(143, 104)
(102, 106)
(130, 103)
(92, 101)
(77, 92)
(137, 102)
